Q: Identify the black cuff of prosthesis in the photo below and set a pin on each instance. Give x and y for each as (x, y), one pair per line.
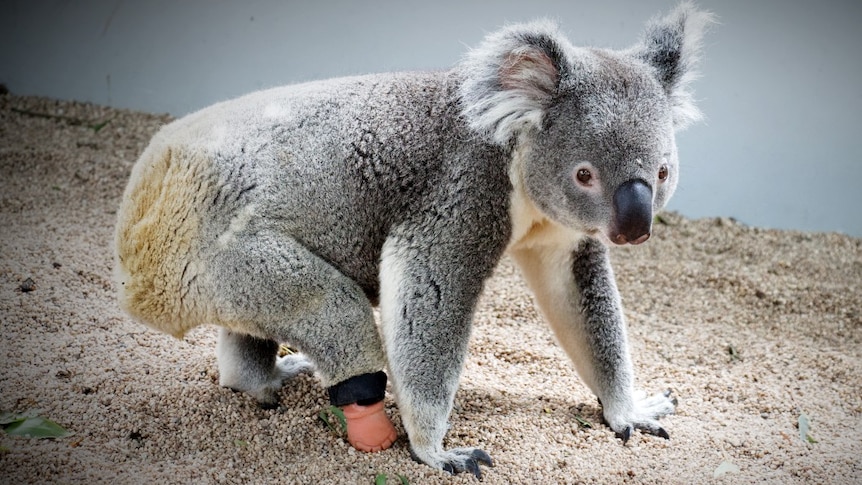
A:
(363, 389)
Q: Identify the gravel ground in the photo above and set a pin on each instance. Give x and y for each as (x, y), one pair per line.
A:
(749, 327)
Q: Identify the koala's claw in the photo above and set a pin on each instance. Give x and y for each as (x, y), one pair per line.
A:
(644, 416)
(625, 434)
(472, 463)
(646, 427)
(662, 433)
(457, 460)
(482, 457)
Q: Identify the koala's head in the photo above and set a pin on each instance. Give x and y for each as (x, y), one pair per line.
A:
(594, 129)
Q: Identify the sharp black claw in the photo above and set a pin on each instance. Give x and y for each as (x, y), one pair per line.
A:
(482, 457)
(470, 464)
(626, 434)
(473, 467)
(667, 393)
(661, 433)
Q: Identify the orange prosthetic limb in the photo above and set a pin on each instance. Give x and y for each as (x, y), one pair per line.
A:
(368, 427)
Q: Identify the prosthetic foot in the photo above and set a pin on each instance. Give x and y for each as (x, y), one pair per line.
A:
(361, 398)
(368, 427)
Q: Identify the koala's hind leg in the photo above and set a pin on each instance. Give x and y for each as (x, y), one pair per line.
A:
(251, 364)
(269, 284)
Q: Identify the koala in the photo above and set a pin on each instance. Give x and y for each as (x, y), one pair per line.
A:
(286, 215)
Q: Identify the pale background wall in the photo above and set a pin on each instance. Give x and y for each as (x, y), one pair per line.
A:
(781, 86)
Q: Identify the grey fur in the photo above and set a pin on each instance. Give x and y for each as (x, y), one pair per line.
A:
(251, 364)
(285, 214)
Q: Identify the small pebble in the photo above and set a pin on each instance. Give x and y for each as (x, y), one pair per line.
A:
(27, 286)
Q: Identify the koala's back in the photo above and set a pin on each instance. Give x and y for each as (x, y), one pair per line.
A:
(332, 164)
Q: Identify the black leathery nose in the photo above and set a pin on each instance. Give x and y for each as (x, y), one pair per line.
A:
(632, 212)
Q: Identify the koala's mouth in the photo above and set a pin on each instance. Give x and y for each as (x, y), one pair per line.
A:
(620, 239)
(600, 235)
(606, 238)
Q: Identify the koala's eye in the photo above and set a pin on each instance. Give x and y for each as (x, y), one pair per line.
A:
(584, 176)
(662, 173)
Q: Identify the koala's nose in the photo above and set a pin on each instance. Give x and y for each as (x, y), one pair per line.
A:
(632, 213)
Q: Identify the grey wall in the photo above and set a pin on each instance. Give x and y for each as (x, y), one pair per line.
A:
(781, 86)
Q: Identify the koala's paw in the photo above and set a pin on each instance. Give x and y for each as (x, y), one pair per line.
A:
(286, 367)
(455, 460)
(644, 415)
(264, 384)
(292, 365)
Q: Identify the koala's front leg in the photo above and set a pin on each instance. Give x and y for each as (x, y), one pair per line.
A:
(578, 295)
(426, 299)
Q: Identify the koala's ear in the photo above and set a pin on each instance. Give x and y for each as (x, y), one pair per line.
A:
(508, 82)
(672, 45)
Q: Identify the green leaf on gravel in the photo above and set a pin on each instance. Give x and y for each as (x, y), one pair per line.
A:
(240, 443)
(324, 415)
(583, 422)
(724, 468)
(381, 479)
(804, 425)
(340, 415)
(36, 428)
(97, 127)
(734, 354)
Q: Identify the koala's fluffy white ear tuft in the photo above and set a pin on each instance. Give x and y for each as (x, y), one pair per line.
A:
(672, 45)
(511, 78)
